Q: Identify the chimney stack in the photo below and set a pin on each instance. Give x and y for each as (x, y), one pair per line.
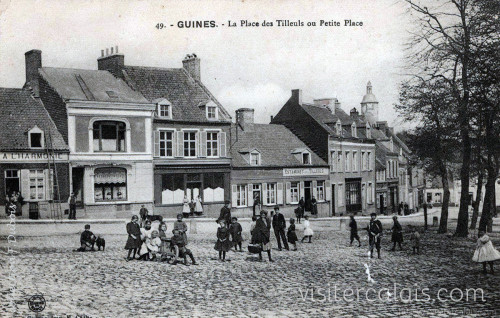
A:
(382, 125)
(354, 113)
(245, 118)
(191, 64)
(297, 96)
(113, 62)
(33, 61)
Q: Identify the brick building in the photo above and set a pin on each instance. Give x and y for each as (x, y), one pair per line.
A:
(33, 154)
(271, 163)
(342, 140)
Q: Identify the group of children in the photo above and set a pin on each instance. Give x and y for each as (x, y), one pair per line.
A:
(154, 245)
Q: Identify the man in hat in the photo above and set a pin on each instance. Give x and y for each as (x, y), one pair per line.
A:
(279, 227)
(225, 213)
(374, 234)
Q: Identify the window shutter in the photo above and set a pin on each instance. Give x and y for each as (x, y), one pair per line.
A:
(197, 144)
(301, 190)
(288, 194)
(250, 194)
(328, 192)
(279, 196)
(315, 189)
(25, 184)
(234, 196)
(174, 144)
(222, 144)
(180, 143)
(203, 144)
(263, 200)
(48, 184)
(157, 143)
(340, 196)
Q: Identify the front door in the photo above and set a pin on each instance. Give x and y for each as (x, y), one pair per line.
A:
(307, 195)
(381, 207)
(77, 179)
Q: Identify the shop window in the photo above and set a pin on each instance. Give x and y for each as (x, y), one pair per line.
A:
(110, 184)
(213, 187)
(35, 137)
(190, 144)
(270, 194)
(212, 144)
(12, 181)
(294, 192)
(166, 143)
(320, 190)
(37, 185)
(241, 195)
(109, 136)
(172, 188)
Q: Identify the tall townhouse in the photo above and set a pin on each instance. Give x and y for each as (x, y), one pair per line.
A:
(342, 140)
(108, 128)
(190, 134)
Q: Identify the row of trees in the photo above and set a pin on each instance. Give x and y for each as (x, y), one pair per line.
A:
(453, 93)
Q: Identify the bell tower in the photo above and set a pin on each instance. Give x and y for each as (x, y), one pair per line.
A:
(369, 105)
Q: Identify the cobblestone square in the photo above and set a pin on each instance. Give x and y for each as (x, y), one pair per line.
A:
(324, 279)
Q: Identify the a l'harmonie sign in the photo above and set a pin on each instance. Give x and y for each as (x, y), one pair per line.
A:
(294, 172)
(31, 157)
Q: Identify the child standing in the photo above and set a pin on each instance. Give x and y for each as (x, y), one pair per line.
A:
(415, 240)
(182, 227)
(485, 251)
(308, 232)
(223, 243)
(252, 227)
(235, 229)
(291, 235)
(134, 237)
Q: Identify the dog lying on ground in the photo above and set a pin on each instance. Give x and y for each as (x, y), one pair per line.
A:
(153, 218)
(100, 242)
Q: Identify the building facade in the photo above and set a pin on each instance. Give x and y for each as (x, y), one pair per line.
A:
(272, 166)
(108, 128)
(342, 140)
(34, 159)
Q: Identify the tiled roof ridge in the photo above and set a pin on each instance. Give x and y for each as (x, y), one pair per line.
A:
(73, 69)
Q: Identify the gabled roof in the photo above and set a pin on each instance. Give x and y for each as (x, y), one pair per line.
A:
(274, 142)
(20, 113)
(90, 85)
(382, 151)
(186, 94)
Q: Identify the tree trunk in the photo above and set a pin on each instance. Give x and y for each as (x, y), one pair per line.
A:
(475, 207)
(443, 223)
(486, 216)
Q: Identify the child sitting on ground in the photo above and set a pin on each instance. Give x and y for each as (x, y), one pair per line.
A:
(179, 245)
(87, 240)
(153, 244)
(415, 239)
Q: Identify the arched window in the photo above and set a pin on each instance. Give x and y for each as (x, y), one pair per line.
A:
(109, 135)
(110, 184)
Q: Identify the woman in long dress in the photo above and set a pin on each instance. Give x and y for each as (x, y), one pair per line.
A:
(199, 206)
(185, 207)
(261, 234)
(485, 251)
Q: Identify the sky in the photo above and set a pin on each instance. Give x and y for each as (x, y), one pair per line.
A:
(254, 67)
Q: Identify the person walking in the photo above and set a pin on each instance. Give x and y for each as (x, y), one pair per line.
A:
(354, 231)
(374, 234)
(279, 227)
(72, 206)
(397, 234)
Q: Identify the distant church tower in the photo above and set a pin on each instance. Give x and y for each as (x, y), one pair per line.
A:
(369, 105)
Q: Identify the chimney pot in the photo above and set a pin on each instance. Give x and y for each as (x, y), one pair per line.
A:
(102, 53)
(107, 51)
(111, 50)
(191, 64)
(116, 49)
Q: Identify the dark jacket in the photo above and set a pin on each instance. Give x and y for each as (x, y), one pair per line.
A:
(225, 214)
(374, 228)
(87, 237)
(397, 232)
(279, 222)
(178, 240)
(261, 232)
(354, 226)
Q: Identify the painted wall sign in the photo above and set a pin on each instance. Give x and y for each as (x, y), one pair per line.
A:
(30, 157)
(294, 172)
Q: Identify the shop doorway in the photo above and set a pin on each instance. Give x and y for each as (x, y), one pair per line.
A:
(77, 179)
(308, 195)
(382, 203)
(193, 186)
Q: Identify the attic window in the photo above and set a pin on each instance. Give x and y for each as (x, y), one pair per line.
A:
(255, 159)
(164, 108)
(306, 158)
(35, 136)
(354, 131)
(339, 128)
(212, 111)
(112, 94)
(368, 131)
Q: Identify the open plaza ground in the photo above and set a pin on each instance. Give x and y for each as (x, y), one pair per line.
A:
(327, 278)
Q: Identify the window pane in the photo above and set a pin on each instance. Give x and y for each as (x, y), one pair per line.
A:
(36, 140)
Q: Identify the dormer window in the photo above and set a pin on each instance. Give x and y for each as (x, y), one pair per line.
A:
(368, 131)
(255, 158)
(339, 127)
(306, 158)
(35, 138)
(164, 108)
(354, 131)
(212, 111)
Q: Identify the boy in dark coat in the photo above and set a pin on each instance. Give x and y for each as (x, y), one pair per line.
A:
(374, 234)
(235, 229)
(87, 240)
(354, 231)
(397, 234)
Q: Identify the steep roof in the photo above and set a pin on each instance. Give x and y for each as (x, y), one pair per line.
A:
(90, 85)
(20, 113)
(275, 143)
(326, 118)
(175, 84)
